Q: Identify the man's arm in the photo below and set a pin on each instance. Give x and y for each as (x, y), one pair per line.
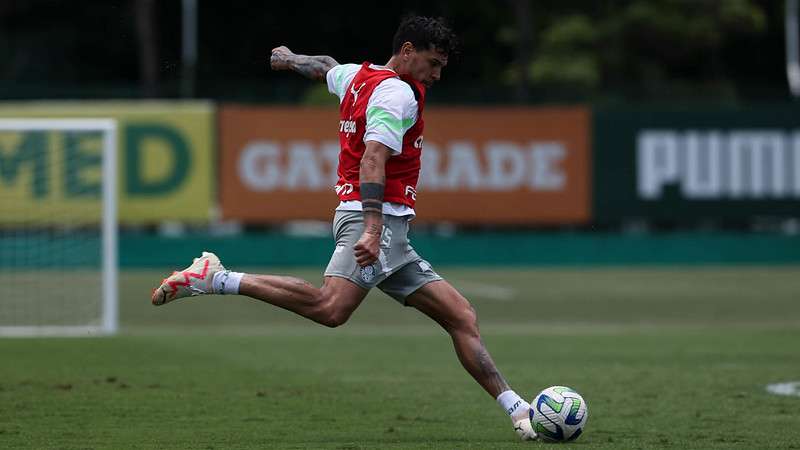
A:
(372, 182)
(314, 67)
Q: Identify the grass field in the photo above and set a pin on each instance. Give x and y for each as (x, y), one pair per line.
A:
(666, 358)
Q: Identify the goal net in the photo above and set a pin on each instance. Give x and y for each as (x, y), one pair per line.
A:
(58, 227)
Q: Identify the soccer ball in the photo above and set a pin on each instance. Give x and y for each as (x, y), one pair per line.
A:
(558, 414)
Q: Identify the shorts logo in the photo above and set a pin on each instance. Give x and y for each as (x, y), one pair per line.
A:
(386, 237)
(367, 273)
(424, 266)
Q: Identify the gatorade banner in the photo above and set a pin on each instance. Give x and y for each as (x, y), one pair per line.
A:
(164, 156)
(479, 165)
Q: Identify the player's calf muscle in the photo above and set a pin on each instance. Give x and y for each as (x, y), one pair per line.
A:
(280, 290)
(489, 371)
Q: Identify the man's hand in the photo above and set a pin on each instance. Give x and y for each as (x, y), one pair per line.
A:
(368, 248)
(280, 58)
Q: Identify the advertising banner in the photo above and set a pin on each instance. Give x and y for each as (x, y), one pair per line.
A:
(685, 166)
(164, 154)
(479, 165)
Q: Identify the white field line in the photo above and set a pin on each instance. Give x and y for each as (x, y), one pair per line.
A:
(484, 290)
(791, 388)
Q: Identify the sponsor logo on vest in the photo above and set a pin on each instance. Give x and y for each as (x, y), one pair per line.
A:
(410, 191)
(347, 126)
(716, 164)
(418, 142)
(461, 165)
(356, 91)
(343, 189)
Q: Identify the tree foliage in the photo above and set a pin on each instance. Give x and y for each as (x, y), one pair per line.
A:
(616, 49)
(654, 47)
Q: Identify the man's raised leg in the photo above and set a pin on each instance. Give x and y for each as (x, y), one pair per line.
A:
(331, 305)
(444, 304)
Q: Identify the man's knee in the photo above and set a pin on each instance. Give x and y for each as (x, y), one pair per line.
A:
(334, 317)
(331, 312)
(445, 305)
(464, 319)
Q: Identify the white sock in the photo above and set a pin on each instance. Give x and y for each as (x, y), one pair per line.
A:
(226, 282)
(511, 402)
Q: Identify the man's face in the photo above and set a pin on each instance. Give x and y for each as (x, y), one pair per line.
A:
(424, 66)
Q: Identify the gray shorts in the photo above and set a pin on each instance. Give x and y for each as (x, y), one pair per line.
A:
(399, 271)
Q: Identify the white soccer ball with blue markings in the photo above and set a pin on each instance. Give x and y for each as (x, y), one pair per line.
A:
(558, 414)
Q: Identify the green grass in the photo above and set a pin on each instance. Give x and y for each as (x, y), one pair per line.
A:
(666, 358)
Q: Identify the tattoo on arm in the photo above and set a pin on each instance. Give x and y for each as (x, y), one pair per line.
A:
(314, 67)
(374, 229)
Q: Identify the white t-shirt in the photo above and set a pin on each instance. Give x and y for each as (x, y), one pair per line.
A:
(391, 111)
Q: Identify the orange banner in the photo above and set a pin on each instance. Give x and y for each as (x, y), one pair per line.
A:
(479, 165)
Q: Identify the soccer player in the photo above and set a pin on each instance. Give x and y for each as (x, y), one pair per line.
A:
(380, 133)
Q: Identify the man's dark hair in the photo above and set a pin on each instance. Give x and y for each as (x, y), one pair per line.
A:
(425, 33)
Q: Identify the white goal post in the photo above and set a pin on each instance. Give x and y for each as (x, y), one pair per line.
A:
(58, 227)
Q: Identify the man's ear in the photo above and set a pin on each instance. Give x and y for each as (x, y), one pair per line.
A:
(407, 49)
